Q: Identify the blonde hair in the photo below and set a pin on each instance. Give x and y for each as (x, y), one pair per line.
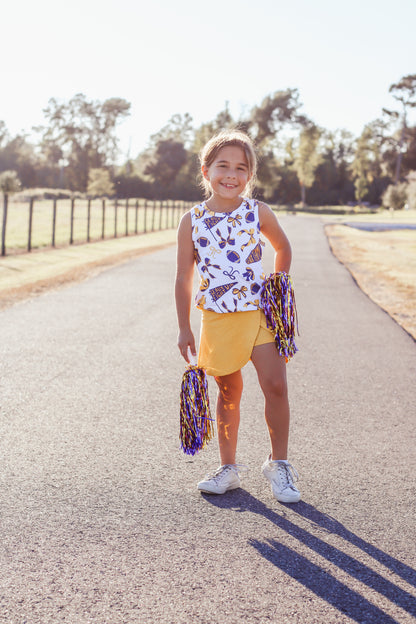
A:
(229, 138)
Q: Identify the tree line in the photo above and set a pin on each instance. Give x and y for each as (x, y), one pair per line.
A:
(299, 162)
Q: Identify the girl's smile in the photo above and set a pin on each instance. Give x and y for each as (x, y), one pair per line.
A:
(228, 176)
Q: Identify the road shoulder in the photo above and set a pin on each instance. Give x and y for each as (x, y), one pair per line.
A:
(23, 276)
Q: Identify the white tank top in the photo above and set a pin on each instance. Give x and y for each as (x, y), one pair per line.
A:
(228, 252)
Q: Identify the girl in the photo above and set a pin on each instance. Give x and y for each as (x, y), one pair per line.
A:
(222, 237)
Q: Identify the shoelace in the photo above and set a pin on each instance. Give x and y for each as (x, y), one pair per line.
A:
(287, 472)
(239, 469)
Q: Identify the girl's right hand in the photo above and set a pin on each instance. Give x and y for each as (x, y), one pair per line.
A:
(186, 340)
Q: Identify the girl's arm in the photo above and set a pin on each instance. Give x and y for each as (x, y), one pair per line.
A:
(270, 227)
(183, 285)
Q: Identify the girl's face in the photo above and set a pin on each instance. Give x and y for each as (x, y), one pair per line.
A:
(229, 173)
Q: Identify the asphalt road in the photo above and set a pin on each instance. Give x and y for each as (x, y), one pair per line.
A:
(100, 518)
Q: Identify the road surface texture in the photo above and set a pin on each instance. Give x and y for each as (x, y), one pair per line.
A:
(101, 521)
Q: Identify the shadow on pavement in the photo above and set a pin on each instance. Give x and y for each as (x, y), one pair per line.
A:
(322, 583)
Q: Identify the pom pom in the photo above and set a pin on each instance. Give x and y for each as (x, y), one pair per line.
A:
(277, 299)
(196, 428)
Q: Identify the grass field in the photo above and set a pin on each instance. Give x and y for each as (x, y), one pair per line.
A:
(383, 263)
(115, 220)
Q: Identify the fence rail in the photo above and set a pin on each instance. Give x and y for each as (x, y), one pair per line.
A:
(37, 223)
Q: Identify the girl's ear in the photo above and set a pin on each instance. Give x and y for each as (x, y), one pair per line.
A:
(204, 170)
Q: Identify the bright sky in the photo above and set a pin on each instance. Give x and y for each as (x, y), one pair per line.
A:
(178, 56)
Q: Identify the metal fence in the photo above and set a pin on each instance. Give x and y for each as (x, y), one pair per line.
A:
(37, 223)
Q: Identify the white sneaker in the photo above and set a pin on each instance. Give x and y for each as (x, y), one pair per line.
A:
(223, 479)
(281, 475)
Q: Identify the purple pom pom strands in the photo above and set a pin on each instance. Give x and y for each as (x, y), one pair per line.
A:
(196, 428)
(278, 302)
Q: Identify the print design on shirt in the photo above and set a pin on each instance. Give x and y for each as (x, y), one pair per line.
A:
(219, 291)
(235, 220)
(215, 244)
(211, 222)
(225, 241)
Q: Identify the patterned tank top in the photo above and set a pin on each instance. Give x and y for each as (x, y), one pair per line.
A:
(228, 252)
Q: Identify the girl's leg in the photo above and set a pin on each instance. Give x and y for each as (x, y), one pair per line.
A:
(271, 371)
(228, 414)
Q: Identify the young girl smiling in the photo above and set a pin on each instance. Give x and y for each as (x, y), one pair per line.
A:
(222, 237)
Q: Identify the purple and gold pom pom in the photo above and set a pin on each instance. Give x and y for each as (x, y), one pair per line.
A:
(277, 299)
(196, 428)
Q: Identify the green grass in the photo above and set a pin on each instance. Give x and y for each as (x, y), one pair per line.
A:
(124, 220)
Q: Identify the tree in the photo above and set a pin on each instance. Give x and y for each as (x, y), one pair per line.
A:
(366, 167)
(274, 112)
(404, 92)
(166, 155)
(307, 158)
(81, 135)
(166, 163)
(99, 183)
(332, 184)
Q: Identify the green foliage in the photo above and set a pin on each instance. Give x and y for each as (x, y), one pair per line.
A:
(99, 183)
(395, 196)
(307, 157)
(167, 160)
(80, 136)
(274, 112)
(9, 182)
(366, 165)
(132, 186)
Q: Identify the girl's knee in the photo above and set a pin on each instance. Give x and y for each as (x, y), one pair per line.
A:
(230, 387)
(275, 386)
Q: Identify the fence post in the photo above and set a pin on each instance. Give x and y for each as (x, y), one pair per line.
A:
(29, 236)
(71, 238)
(160, 214)
(127, 217)
(103, 225)
(153, 215)
(136, 216)
(145, 216)
(3, 231)
(88, 219)
(53, 221)
(115, 218)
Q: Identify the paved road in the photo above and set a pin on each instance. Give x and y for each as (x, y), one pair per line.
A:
(100, 518)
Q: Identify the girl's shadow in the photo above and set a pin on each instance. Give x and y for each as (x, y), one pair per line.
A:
(314, 577)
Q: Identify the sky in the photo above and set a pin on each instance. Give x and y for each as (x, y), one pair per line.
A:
(184, 56)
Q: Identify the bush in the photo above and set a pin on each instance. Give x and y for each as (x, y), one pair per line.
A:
(395, 196)
(411, 190)
(9, 182)
(99, 183)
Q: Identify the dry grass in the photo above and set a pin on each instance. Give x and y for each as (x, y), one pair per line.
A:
(383, 265)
